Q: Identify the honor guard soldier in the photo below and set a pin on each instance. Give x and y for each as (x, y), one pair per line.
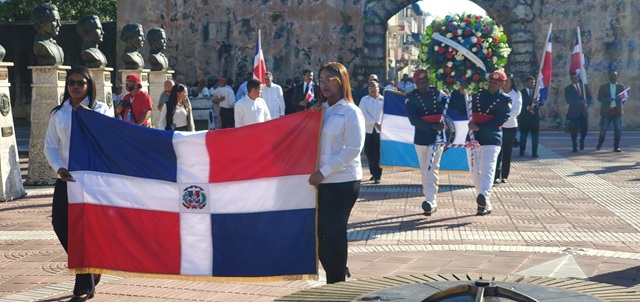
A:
(489, 110)
(424, 109)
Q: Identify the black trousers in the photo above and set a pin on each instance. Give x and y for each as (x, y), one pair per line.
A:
(60, 220)
(226, 117)
(335, 201)
(582, 124)
(525, 129)
(372, 150)
(503, 167)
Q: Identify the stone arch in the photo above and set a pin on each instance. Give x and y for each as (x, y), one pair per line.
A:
(517, 18)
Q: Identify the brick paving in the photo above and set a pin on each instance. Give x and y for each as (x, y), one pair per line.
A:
(561, 215)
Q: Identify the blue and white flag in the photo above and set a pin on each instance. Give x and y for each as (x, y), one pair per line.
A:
(396, 138)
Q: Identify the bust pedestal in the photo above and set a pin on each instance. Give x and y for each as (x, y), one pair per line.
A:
(102, 78)
(47, 92)
(142, 73)
(156, 89)
(11, 187)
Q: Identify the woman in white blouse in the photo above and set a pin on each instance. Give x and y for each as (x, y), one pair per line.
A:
(339, 174)
(176, 112)
(80, 93)
(509, 129)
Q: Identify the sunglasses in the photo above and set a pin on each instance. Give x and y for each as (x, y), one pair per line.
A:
(80, 83)
(327, 81)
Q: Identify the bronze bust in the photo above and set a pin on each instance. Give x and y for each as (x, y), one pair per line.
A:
(157, 43)
(90, 29)
(133, 35)
(46, 20)
(2, 53)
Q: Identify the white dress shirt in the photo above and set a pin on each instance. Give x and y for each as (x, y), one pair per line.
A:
(341, 141)
(372, 112)
(516, 105)
(58, 137)
(274, 98)
(227, 92)
(248, 111)
(179, 117)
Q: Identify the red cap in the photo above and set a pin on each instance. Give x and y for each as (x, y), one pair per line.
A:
(419, 74)
(133, 77)
(498, 75)
(222, 80)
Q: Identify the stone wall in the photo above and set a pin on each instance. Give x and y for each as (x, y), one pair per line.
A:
(217, 38)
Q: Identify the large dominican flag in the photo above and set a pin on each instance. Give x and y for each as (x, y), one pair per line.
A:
(231, 204)
(259, 67)
(396, 138)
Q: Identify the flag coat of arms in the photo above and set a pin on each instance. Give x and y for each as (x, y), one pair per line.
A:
(231, 204)
(396, 138)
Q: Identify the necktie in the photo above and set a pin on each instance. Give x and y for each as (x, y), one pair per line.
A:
(306, 89)
(578, 88)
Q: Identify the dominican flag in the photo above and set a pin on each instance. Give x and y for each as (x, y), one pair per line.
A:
(396, 138)
(577, 65)
(544, 77)
(624, 95)
(224, 205)
(259, 68)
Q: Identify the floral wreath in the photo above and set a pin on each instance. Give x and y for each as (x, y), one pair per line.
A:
(463, 48)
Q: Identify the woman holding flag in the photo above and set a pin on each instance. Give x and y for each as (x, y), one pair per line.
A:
(339, 174)
(80, 93)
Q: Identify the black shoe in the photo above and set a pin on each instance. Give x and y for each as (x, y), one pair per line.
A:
(504, 181)
(574, 150)
(581, 145)
(535, 155)
(598, 147)
(482, 205)
(496, 181)
(371, 178)
(428, 208)
(617, 150)
(81, 298)
(376, 181)
(347, 272)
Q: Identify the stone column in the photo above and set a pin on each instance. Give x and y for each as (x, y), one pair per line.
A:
(48, 90)
(142, 73)
(102, 79)
(11, 185)
(156, 88)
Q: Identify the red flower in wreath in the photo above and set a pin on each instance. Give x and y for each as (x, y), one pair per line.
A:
(489, 54)
(449, 55)
(449, 79)
(467, 20)
(441, 50)
(476, 77)
(447, 70)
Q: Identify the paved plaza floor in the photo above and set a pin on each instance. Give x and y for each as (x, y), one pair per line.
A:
(565, 215)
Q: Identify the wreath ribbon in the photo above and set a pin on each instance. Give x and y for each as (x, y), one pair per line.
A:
(465, 52)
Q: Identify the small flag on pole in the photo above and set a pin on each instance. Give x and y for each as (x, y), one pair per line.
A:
(624, 95)
(259, 67)
(577, 59)
(544, 76)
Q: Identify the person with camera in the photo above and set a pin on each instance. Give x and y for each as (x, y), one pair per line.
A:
(136, 105)
(176, 112)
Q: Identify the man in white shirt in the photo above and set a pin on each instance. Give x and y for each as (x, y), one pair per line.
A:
(405, 84)
(251, 109)
(273, 96)
(224, 97)
(371, 107)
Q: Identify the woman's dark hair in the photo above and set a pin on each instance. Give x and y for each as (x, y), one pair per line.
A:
(91, 91)
(514, 86)
(172, 103)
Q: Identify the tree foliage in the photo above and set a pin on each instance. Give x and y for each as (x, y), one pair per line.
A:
(70, 10)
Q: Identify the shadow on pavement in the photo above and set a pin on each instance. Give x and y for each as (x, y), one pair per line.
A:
(628, 277)
(33, 206)
(398, 224)
(607, 170)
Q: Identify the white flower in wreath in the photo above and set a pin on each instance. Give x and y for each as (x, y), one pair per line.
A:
(478, 34)
(459, 56)
(440, 70)
(474, 49)
(438, 20)
(436, 48)
(496, 33)
(453, 73)
(456, 85)
(459, 31)
(468, 73)
(449, 64)
(460, 39)
(454, 23)
(442, 28)
(474, 40)
(485, 44)
(463, 24)
(484, 51)
(486, 19)
(495, 59)
(449, 35)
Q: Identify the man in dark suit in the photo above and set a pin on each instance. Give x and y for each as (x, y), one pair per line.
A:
(579, 99)
(529, 119)
(610, 110)
(302, 99)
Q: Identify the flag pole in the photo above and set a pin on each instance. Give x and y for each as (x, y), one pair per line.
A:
(544, 53)
(584, 94)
